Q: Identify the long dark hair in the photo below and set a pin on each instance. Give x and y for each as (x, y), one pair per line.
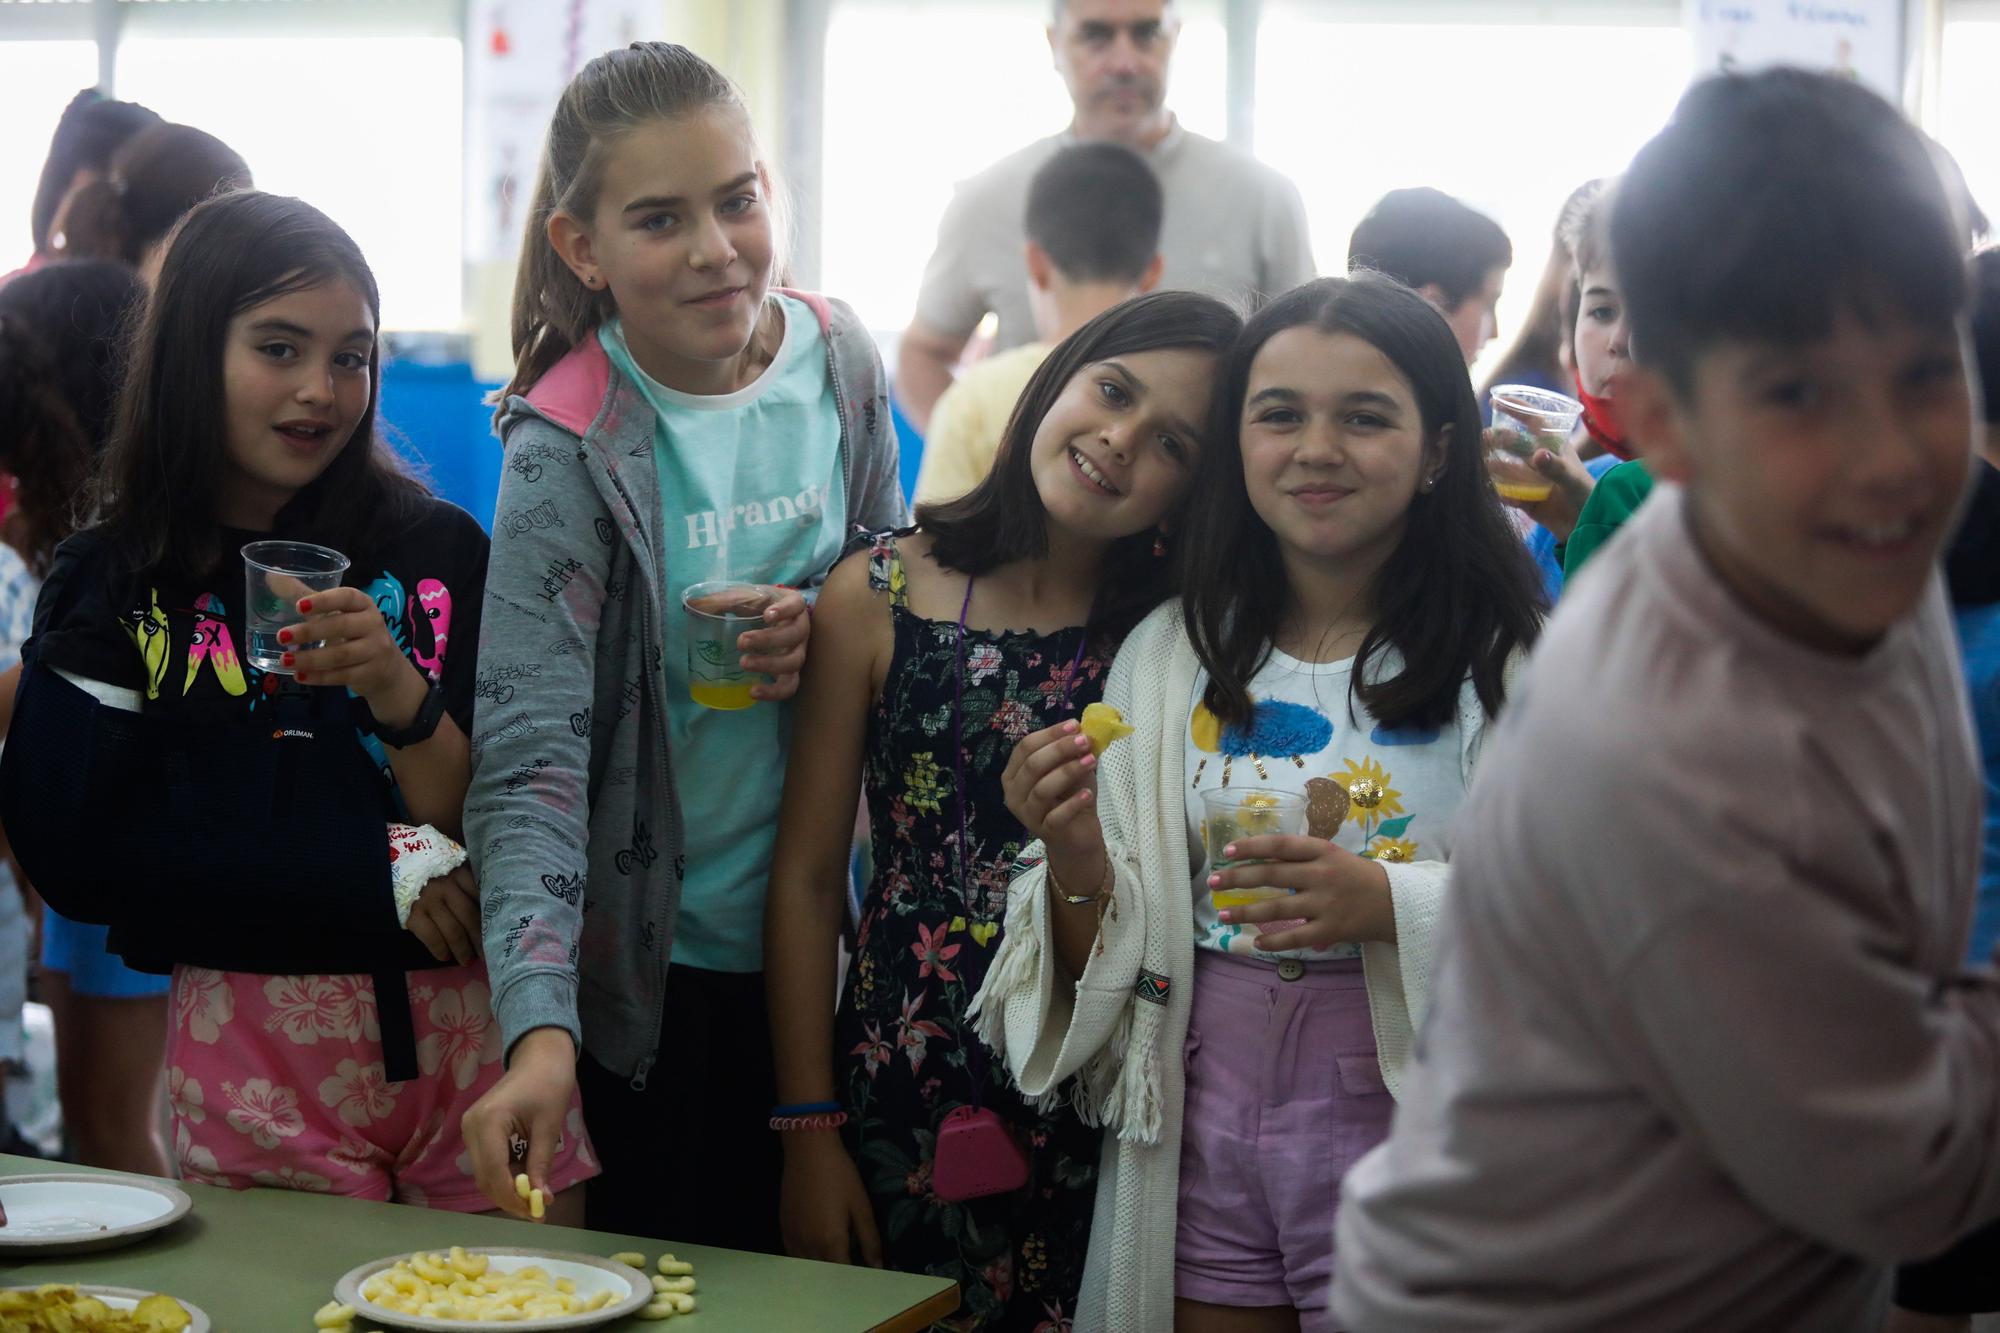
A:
(1002, 519)
(157, 488)
(1456, 596)
(60, 332)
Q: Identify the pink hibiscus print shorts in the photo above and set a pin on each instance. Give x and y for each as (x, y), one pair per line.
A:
(278, 1081)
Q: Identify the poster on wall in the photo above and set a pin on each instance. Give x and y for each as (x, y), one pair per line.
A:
(519, 56)
(1862, 39)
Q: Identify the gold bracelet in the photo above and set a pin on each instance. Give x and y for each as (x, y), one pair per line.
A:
(1081, 899)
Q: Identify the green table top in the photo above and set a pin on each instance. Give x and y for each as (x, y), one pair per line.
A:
(262, 1260)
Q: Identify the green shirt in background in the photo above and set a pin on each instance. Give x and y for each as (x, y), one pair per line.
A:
(1616, 497)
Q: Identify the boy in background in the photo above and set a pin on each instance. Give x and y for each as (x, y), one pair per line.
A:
(1452, 255)
(1701, 1052)
(1093, 223)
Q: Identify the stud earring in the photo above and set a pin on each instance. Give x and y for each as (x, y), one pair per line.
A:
(1159, 545)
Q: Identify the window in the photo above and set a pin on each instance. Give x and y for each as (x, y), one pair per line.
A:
(367, 129)
(37, 79)
(905, 121)
(1509, 117)
(1969, 105)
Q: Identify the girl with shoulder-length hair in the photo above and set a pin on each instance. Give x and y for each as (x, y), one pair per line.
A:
(939, 648)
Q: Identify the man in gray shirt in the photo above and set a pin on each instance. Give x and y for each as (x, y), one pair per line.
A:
(1233, 227)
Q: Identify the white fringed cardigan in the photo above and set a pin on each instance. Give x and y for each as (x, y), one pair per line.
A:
(1120, 1030)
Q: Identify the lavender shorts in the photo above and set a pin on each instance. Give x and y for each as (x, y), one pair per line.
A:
(1284, 1094)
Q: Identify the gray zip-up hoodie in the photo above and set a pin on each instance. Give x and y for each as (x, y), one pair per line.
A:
(573, 819)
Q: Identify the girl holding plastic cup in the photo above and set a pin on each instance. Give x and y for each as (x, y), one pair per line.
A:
(1344, 654)
(674, 418)
(328, 1026)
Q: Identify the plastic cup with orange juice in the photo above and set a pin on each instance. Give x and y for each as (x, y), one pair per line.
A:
(1230, 814)
(718, 613)
(1524, 420)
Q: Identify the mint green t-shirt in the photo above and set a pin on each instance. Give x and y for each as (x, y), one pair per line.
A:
(750, 489)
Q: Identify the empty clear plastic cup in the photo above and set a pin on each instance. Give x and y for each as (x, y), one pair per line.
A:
(1246, 812)
(275, 576)
(1526, 419)
(718, 613)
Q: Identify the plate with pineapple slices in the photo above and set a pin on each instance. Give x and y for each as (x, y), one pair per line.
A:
(63, 1308)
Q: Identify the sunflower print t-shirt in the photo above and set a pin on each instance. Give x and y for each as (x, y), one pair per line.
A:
(1389, 794)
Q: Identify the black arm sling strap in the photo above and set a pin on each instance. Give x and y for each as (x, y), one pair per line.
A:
(257, 846)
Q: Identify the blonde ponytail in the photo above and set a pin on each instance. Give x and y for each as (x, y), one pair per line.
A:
(646, 81)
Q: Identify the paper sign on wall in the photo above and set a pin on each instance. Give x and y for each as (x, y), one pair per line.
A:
(1862, 39)
(520, 54)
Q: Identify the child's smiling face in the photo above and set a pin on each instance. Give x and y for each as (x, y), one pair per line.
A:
(1112, 454)
(1822, 478)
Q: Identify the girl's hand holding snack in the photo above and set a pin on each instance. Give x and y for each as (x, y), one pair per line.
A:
(779, 651)
(1337, 897)
(1051, 786)
(353, 648)
(525, 1110)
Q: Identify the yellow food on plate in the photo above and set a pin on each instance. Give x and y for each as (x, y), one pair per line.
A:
(462, 1286)
(333, 1315)
(631, 1259)
(1104, 724)
(57, 1308)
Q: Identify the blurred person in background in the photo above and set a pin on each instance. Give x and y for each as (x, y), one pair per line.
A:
(1453, 255)
(59, 349)
(92, 128)
(1093, 222)
(1234, 228)
(1540, 354)
(154, 178)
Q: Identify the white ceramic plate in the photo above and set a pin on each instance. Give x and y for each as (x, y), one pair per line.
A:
(84, 1212)
(630, 1289)
(127, 1298)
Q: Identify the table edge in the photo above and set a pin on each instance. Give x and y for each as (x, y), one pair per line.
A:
(923, 1314)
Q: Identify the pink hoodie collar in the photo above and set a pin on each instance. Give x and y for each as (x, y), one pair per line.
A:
(573, 391)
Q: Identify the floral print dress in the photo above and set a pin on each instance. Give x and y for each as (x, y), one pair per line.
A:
(905, 1053)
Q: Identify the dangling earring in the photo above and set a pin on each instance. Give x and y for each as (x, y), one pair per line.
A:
(1159, 545)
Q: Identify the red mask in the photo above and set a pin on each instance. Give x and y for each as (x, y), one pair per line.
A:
(1600, 419)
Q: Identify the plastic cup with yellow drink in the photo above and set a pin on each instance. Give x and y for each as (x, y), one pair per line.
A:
(1230, 814)
(1524, 420)
(718, 613)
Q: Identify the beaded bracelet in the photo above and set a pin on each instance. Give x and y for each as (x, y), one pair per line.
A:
(819, 1120)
